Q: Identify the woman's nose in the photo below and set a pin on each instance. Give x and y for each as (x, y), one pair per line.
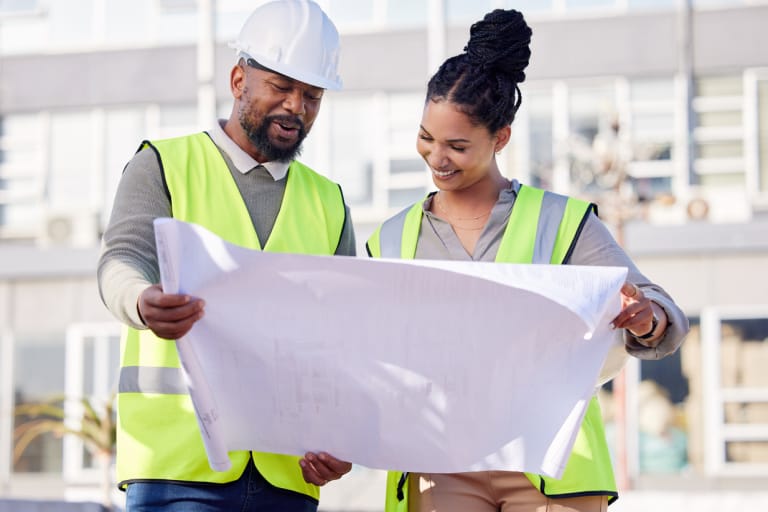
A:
(437, 160)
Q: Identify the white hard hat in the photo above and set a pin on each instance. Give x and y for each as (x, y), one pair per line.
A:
(294, 38)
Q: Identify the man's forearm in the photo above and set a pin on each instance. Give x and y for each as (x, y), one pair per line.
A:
(120, 285)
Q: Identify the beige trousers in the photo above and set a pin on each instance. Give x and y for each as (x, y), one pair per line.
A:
(489, 491)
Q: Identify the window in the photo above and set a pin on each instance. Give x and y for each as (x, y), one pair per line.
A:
(596, 147)
(227, 26)
(762, 137)
(176, 22)
(25, 33)
(733, 399)
(124, 130)
(170, 120)
(352, 146)
(408, 180)
(351, 13)
(530, 6)
(588, 4)
(364, 14)
(662, 440)
(137, 22)
(541, 138)
(461, 11)
(126, 22)
(6, 401)
(71, 23)
(59, 171)
(72, 176)
(93, 362)
(38, 376)
(590, 106)
(402, 13)
(718, 134)
(177, 5)
(652, 4)
(662, 431)
(652, 133)
(72, 195)
(369, 148)
(18, 6)
(22, 162)
(717, 3)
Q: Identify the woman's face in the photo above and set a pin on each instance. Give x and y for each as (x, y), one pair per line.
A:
(459, 153)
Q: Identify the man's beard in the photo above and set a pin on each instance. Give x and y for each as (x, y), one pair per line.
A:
(259, 136)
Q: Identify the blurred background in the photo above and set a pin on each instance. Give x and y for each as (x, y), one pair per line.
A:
(655, 109)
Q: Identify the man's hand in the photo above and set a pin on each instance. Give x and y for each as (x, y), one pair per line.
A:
(169, 316)
(321, 468)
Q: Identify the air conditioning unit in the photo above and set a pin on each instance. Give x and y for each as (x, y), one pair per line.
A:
(70, 228)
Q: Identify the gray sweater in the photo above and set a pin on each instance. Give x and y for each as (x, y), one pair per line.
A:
(128, 261)
(595, 246)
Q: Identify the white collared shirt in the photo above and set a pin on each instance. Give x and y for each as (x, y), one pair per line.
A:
(242, 161)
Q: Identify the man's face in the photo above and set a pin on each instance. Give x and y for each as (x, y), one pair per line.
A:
(277, 112)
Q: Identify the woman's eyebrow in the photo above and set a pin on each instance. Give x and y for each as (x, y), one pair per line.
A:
(449, 140)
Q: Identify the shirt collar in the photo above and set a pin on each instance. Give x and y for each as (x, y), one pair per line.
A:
(242, 161)
(506, 195)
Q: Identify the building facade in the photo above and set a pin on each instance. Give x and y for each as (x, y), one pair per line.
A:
(657, 109)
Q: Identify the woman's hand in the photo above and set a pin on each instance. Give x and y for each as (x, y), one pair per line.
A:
(637, 316)
(321, 468)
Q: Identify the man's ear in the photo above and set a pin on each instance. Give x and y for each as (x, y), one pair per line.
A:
(237, 81)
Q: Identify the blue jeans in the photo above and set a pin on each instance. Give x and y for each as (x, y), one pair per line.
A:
(250, 493)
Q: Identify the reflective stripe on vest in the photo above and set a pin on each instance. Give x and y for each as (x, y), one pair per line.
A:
(148, 379)
(158, 434)
(542, 228)
(395, 238)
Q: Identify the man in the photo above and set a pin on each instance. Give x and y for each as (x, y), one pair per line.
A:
(239, 180)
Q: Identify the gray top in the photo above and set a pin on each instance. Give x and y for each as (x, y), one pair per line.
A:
(594, 246)
(128, 261)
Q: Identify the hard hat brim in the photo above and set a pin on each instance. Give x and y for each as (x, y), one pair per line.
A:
(290, 71)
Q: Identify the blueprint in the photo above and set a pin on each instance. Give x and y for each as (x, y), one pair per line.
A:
(424, 366)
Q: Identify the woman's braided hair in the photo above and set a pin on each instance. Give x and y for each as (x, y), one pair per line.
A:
(483, 81)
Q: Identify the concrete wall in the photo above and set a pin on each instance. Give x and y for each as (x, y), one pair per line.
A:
(44, 291)
(704, 264)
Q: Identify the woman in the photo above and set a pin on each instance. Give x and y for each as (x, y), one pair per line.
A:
(479, 215)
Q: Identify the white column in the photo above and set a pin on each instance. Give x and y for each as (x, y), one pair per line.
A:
(714, 446)
(632, 432)
(751, 123)
(206, 50)
(435, 35)
(561, 174)
(683, 101)
(521, 144)
(74, 372)
(381, 132)
(6, 407)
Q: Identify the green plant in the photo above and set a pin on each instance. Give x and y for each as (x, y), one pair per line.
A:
(96, 428)
(94, 425)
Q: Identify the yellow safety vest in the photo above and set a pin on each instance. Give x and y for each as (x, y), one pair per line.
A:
(158, 436)
(543, 228)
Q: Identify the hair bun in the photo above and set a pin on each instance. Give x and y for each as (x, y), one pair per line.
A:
(501, 41)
